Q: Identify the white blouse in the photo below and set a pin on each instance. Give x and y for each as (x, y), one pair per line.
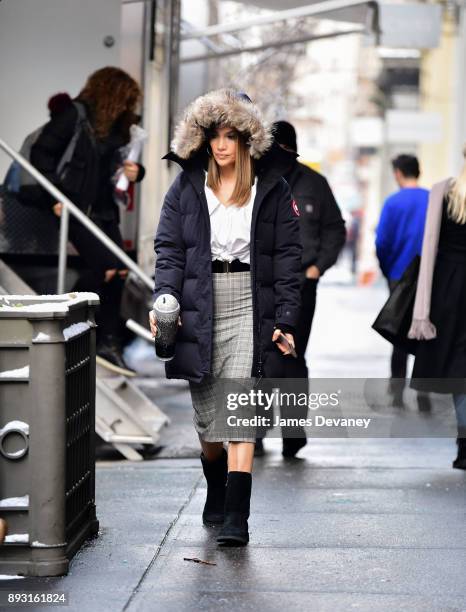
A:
(230, 227)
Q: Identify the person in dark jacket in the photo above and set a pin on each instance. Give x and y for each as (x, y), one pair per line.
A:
(398, 240)
(323, 236)
(438, 320)
(228, 248)
(109, 100)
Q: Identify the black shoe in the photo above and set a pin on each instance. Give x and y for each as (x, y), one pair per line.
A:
(109, 356)
(460, 462)
(235, 527)
(259, 448)
(215, 473)
(423, 403)
(396, 388)
(398, 402)
(292, 445)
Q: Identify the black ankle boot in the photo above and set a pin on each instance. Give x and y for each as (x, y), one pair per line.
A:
(259, 448)
(460, 462)
(235, 527)
(292, 445)
(215, 473)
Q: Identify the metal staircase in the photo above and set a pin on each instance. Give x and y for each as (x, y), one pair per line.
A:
(125, 416)
(11, 283)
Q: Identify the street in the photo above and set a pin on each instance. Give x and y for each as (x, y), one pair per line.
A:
(169, 169)
(369, 524)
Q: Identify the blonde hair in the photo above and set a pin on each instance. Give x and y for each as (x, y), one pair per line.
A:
(244, 174)
(457, 197)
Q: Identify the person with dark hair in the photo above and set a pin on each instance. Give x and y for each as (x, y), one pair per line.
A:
(59, 103)
(405, 167)
(323, 234)
(108, 100)
(398, 240)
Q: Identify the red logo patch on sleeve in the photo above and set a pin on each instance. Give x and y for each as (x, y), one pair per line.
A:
(295, 208)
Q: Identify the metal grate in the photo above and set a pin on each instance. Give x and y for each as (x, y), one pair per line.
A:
(79, 463)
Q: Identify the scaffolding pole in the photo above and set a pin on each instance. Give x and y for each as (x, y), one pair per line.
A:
(329, 6)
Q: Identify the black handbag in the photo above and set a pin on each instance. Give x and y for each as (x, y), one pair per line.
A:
(394, 320)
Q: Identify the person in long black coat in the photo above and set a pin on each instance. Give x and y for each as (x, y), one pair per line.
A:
(230, 321)
(440, 360)
(108, 101)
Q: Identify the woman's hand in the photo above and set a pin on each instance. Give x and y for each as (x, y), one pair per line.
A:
(130, 170)
(284, 349)
(57, 209)
(313, 272)
(153, 323)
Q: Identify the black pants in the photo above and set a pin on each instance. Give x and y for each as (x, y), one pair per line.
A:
(297, 368)
(399, 359)
(98, 260)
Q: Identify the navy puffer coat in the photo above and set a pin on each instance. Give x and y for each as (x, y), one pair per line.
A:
(183, 264)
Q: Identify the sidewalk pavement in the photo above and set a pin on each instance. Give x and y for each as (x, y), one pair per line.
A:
(366, 524)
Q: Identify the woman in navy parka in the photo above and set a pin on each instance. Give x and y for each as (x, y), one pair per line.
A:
(228, 248)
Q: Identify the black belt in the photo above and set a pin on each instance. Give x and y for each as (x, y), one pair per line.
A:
(234, 266)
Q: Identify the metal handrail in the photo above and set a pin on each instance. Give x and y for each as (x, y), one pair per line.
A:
(69, 207)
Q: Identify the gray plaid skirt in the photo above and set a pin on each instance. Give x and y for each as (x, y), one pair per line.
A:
(232, 353)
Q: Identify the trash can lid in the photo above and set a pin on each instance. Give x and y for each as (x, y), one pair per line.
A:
(44, 306)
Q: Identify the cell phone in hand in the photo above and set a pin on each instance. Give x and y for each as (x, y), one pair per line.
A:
(284, 340)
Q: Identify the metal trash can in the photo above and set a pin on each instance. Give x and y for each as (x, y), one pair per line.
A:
(47, 422)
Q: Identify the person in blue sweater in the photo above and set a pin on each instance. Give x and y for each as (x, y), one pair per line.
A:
(398, 240)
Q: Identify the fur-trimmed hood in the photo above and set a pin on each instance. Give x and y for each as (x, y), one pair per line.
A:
(224, 107)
